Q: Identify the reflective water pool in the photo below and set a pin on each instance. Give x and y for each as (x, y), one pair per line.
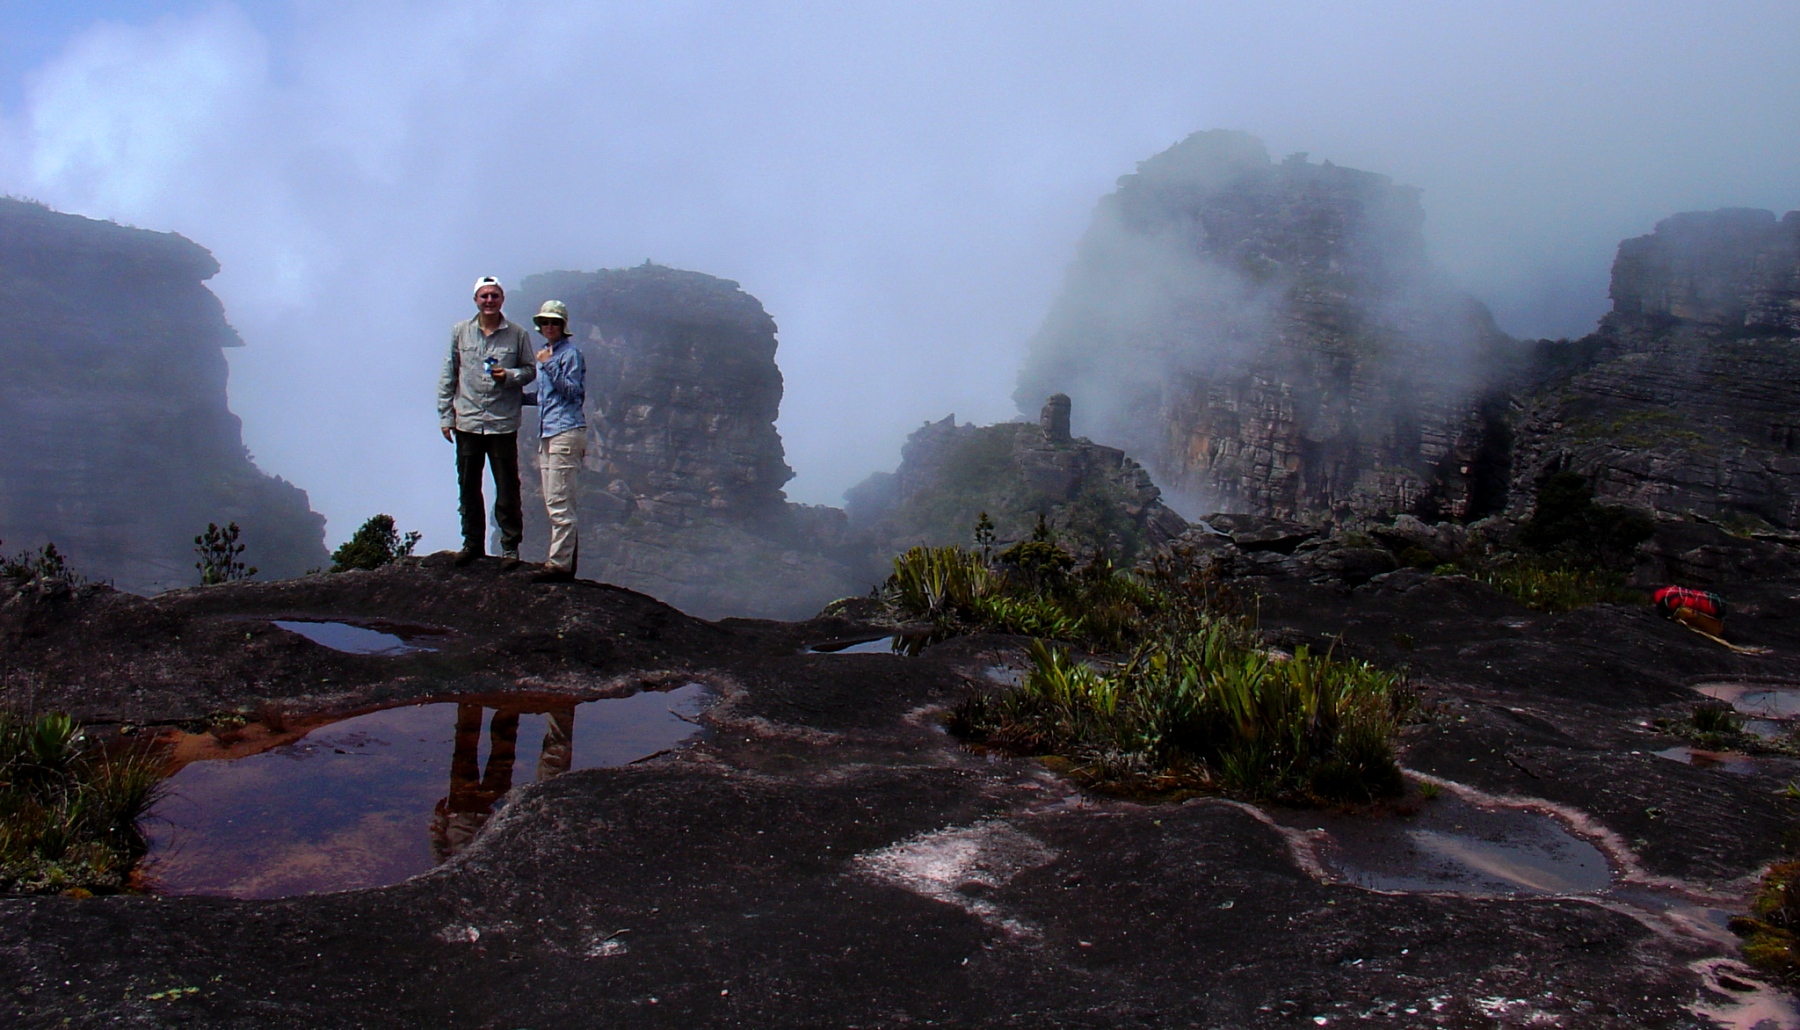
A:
(1452, 846)
(379, 797)
(342, 636)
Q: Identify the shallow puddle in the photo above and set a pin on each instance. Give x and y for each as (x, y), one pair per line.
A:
(1453, 846)
(1759, 700)
(1724, 761)
(880, 645)
(342, 636)
(377, 798)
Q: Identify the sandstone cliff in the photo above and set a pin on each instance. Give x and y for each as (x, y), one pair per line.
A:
(1687, 398)
(681, 495)
(116, 442)
(1095, 497)
(1271, 338)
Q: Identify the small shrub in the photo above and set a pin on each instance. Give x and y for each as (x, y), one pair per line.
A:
(1717, 719)
(219, 553)
(68, 812)
(374, 544)
(44, 563)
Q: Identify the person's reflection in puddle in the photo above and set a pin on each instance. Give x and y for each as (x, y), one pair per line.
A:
(459, 816)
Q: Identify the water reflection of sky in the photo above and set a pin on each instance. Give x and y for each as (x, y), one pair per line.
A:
(357, 803)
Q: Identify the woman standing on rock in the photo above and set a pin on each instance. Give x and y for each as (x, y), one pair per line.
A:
(562, 435)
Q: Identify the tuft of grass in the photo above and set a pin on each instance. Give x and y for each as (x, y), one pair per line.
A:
(1204, 708)
(69, 811)
(1552, 587)
(1718, 727)
(1194, 701)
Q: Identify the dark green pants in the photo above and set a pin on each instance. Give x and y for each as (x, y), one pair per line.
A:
(500, 452)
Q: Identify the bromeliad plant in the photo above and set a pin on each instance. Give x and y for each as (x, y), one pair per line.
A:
(68, 811)
(1208, 709)
(1195, 701)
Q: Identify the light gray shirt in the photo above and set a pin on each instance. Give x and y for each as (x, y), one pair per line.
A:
(468, 397)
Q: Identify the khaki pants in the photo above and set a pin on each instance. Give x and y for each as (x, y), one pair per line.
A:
(559, 458)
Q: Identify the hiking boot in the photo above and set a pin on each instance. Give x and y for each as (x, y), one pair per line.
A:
(553, 574)
(465, 556)
(509, 559)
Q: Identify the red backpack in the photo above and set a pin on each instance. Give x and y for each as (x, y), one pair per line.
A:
(1670, 599)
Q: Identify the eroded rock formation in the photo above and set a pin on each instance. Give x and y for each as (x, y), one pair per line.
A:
(1687, 398)
(1095, 498)
(1271, 338)
(116, 442)
(681, 496)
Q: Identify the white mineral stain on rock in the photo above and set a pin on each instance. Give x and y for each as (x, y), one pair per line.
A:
(939, 865)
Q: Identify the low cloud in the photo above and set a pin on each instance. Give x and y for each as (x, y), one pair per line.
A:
(901, 187)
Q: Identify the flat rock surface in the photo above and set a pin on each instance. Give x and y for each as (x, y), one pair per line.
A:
(824, 854)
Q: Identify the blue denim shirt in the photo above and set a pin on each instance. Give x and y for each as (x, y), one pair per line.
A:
(562, 390)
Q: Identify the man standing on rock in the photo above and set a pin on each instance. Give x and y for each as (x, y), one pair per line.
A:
(562, 435)
(479, 394)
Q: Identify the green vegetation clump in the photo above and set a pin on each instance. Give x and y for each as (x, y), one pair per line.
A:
(1718, 727)
(1195, 702)
(1032, 588)
(1554, 587)
(1207, 709)
(374, 544)
(68, 811)
(44, 563)
(1769, 931)
(219, 553)
(1576, 551)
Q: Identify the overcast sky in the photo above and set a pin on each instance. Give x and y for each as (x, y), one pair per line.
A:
(900, 184)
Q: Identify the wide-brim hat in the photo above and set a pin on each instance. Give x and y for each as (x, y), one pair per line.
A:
(552, 310)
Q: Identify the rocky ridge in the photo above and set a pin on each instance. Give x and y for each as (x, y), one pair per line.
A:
(1686, 400)
(116, 442)
(1095, 498)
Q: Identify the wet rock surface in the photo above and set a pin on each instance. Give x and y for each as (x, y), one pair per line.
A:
(824, 854)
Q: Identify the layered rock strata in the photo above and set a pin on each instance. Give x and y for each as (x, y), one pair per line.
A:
(1687, 398)
(1271, 338)
(681, 492)
(116, 441)
(1094, 497)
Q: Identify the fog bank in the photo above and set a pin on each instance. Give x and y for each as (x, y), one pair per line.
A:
(901, 188)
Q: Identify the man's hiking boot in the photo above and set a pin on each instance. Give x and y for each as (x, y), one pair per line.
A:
(466, 556)
(553, 574)
(509, 559)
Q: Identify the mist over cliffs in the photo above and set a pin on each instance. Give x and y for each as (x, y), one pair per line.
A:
(116, 441)
(1269, 337)
(680, 495)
